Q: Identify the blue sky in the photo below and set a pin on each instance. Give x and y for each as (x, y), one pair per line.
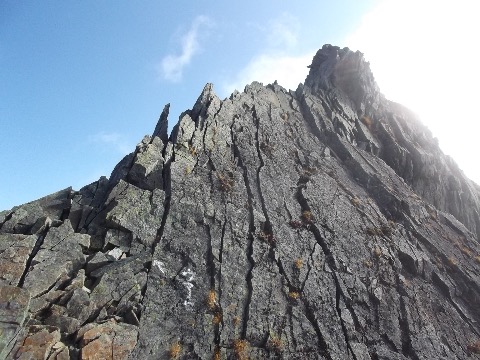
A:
(82, 82)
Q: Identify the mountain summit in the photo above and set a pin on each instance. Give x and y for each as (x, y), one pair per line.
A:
(321, 223)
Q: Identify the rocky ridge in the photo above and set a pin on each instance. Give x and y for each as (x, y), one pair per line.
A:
(321, 223)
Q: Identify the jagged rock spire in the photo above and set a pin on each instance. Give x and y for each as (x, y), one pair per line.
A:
(336, 69)
(161, 130)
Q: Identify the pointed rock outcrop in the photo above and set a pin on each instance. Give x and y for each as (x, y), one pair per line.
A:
(161, 130)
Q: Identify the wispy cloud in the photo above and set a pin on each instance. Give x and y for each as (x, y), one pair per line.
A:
(171, 67)
(112, 140)
(282, 32)
(278, 61)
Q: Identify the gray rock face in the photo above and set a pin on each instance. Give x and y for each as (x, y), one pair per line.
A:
(321, 223)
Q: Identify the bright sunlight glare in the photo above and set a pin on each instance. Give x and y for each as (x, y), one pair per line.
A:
(424, 54)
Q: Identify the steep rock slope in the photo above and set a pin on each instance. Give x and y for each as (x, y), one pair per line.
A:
(323, 223)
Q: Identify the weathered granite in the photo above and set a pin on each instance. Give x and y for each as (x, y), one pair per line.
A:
(15, 251)
(321, 223)
(14, 304)
(107, 341)
(41, 342)
(30, 217)
(58, 260)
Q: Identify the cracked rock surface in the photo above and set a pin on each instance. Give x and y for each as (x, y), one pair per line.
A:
(321, 223)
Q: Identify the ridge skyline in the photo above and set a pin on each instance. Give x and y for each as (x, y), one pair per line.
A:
(83, 92)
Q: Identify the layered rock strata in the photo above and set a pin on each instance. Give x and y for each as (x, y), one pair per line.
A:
(321, 223)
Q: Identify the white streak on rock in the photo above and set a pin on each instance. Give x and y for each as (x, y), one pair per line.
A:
(189, 276)
(160, 265)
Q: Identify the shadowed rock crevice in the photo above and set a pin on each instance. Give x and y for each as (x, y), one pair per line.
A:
(38, 244)
(322, 345)
(251, 232)
(309, 220)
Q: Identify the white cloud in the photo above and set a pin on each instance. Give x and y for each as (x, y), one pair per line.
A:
(171, 67)
(112, 140)
(277, 61)
(424, 54)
